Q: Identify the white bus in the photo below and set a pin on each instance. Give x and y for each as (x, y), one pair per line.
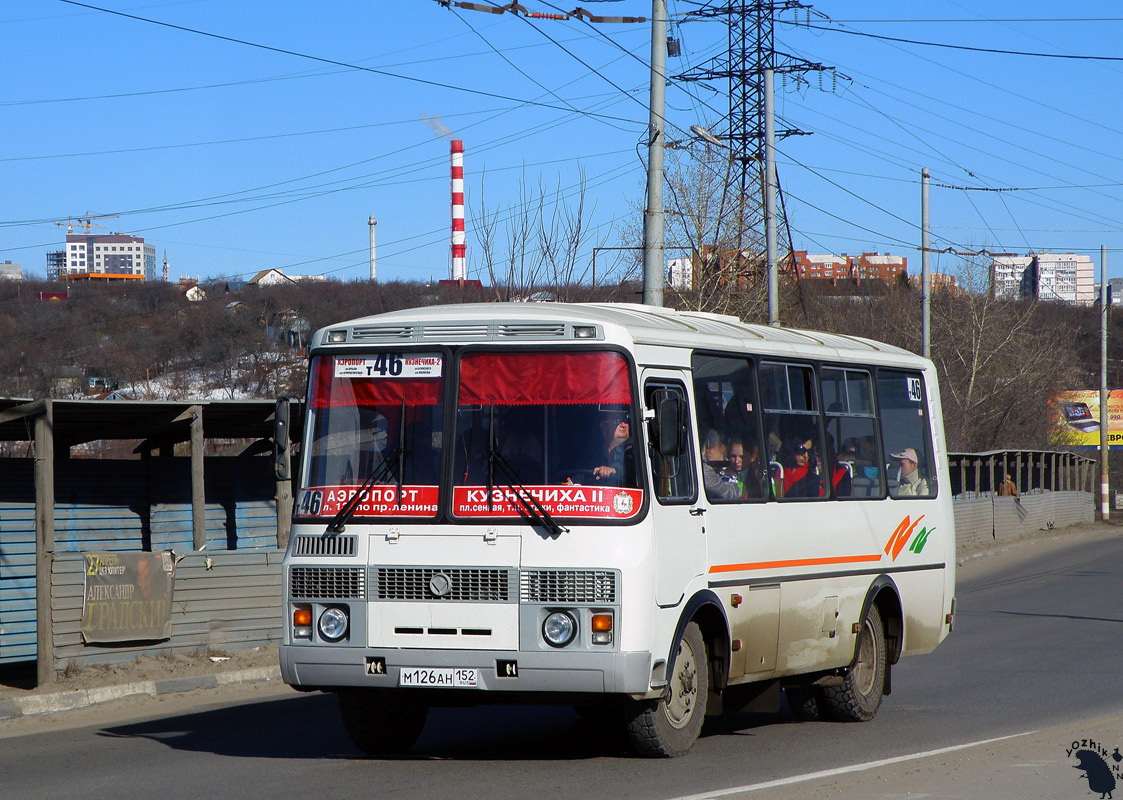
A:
(647, 514)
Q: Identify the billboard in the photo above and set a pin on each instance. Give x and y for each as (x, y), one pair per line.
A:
(1075, 415)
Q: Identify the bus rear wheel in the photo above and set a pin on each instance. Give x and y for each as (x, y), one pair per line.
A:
(381, 723)
(858, 697)
(669, 726)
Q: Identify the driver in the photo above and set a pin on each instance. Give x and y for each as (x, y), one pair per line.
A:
(616, 431)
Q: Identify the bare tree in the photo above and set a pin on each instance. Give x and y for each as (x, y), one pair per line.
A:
(712, 224)
(543, 240)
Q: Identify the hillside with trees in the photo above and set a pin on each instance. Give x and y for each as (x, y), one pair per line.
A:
(998, 360)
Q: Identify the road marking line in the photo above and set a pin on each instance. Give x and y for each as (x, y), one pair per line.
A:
(830, 773)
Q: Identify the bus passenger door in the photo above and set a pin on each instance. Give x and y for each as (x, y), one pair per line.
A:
(678, 510)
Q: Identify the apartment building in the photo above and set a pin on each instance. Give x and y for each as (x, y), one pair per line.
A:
(1058, 277)
(104, 255)
(867, 266)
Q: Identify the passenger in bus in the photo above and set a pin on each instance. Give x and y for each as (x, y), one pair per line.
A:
(912, 484)
(719, 486)
(735, 454)
(744, 465)
(867, 458)
(801, 467)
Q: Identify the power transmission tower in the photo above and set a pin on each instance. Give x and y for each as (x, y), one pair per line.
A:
(752, 50)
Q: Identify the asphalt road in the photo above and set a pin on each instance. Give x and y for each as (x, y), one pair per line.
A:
(1037, 645)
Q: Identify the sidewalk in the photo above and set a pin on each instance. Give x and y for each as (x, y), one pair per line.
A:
(150, 677)
(176, 674)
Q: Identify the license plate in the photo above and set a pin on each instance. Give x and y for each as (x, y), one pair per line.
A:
(443, 678)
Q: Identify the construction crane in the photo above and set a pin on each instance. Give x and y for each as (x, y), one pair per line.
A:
(86, 220)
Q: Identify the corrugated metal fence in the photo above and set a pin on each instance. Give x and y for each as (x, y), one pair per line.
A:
(981, 520)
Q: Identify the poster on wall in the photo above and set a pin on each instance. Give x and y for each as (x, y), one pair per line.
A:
(127, 597)
(1075, 415)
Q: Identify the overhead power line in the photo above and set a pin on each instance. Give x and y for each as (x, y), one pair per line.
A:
(969, 48)
(334, 62)
(520, 10)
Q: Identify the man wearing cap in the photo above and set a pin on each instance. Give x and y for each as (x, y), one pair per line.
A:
(912, 485)
(617, 432)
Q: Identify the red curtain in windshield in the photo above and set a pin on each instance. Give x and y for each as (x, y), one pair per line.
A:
(544, 378)
(328, 391)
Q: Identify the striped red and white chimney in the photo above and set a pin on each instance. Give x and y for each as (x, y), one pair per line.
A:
(459, 248)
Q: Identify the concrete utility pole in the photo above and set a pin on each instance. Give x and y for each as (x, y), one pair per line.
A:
(770, 198)
(1105, 500)
(925, 247)
(653, 251)
(373, 272)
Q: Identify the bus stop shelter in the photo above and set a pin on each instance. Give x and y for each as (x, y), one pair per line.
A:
(150, 501)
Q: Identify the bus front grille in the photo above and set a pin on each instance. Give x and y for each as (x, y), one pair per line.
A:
(326, 583)
(568, 586)
(442, 584)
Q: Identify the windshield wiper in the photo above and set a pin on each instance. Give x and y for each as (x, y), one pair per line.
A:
(345, 513)
(526, 504)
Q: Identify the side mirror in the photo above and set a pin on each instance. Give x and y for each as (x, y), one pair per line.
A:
(281, 440)
(670, 428)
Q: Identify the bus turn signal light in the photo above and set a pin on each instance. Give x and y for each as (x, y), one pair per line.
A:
(602, 628)
(302, 623)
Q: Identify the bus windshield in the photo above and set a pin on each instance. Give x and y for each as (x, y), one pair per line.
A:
(558, 424)
(377, 425)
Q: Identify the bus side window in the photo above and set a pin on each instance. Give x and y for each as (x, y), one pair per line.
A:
(797, 456)
(905, 430)
(672, 476)
(855, 462)
(734, 463)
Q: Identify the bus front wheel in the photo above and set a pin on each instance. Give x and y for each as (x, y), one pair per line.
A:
(858, 697)
(669, 726)
(381, 723)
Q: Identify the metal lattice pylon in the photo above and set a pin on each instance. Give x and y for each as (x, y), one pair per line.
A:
(752, 50)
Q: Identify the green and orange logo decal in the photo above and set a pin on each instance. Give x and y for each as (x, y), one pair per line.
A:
(907, 530)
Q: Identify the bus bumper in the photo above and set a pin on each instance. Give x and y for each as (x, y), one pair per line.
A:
(538, 672)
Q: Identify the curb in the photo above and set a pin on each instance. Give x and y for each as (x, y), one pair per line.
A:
(35, 705)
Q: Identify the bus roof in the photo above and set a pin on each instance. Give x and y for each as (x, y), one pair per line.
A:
(643, 325)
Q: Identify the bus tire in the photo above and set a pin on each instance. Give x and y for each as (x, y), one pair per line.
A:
(381, 723)
(858, 697)
(669, 726)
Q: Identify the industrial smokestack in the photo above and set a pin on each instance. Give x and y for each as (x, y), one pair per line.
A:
(458, 271)
(372, 223)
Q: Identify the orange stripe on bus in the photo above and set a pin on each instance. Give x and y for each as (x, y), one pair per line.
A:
(796, 562)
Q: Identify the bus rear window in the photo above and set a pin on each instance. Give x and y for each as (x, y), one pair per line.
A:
(376, 418)
(560, 424)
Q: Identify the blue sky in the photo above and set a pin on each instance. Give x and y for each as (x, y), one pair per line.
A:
(235, 158)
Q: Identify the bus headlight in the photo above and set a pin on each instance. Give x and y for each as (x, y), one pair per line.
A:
(333, 624)
(559, 629)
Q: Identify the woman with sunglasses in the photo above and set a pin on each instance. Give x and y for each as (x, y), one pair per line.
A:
(801, 468)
